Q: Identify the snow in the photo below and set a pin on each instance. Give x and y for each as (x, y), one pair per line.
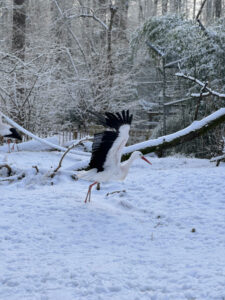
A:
(161, 237)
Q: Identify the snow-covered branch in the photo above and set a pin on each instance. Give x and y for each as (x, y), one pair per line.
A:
(197, 128)
(57, 147)
(218, 159)
(155, 49)
(202, 84)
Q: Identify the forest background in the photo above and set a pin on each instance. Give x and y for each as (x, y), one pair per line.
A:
(59, 59)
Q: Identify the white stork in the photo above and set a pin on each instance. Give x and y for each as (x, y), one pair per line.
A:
(105, 164)
(7, 131)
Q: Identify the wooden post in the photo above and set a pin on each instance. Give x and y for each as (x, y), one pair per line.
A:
(164, 96)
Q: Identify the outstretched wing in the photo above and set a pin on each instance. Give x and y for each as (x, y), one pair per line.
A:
(113, 157)
(107, 146)
(101, 145)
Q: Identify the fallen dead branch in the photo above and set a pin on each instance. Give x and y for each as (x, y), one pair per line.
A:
(13, 178)
(67, 151)
(218, 159)
(7, 167)
(36, 168)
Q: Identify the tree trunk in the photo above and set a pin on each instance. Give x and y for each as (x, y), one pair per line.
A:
(194, 9)
(110, 67)
(218, 8)
(140, 12)
(19, 28)
(18, 49)
(164, 7)
(155, 8)
(120, 19)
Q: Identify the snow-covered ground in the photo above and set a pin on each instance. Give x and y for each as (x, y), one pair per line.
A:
(162, 238)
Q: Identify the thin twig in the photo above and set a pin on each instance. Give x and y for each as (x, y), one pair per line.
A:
(64, 154)
(36, 168)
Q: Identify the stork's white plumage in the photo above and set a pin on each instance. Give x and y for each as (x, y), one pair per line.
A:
(7, 131)
(105, 164)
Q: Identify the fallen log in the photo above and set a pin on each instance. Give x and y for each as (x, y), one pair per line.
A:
(196, 129)
(218, 159)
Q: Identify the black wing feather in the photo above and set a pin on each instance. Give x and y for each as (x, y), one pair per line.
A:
(118, 119)
(102, 143)
(114, 120)
(14, 134)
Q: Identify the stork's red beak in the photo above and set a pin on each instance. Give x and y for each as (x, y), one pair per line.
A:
(145, 159)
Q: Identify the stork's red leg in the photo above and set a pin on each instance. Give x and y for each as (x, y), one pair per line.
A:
(9, 141)
(88, 197)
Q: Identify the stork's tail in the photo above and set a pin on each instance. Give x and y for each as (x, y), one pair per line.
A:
(81, 174)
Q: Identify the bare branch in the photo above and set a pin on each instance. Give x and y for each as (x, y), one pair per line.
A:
(64, 154)
(4, 91)
(90, 15)
(72, 62)
(34, 83)
(70, 31)
(13, 178)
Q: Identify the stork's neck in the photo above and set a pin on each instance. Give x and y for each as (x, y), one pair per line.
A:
(125, 166)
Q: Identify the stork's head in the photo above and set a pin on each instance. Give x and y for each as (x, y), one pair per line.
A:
(138, 154)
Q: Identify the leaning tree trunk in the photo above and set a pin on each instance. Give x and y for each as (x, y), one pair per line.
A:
(196, 129)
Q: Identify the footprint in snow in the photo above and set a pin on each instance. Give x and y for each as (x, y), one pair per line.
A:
(120, 202)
